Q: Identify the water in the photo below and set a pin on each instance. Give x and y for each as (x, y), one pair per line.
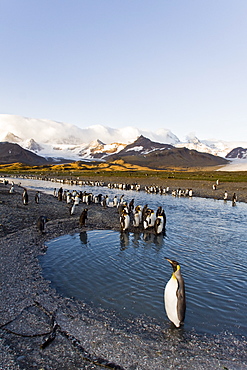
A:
(127, 272)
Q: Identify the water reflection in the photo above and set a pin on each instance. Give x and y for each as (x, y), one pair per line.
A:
(124, 240)
(151, 238)
(137, 238)
(83, 237)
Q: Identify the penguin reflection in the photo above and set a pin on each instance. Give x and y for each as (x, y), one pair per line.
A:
(136, 239)
(83, 237)
(124, 240)
(151, 238)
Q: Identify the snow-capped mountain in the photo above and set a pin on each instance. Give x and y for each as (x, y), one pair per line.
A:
(144, 152)
(142, 146)
(220, 148)
(56, 139)
(52, 132)
(229, 150)
(239, 152)
(62, 140)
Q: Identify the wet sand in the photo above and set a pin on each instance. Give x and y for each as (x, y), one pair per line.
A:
(42, 330)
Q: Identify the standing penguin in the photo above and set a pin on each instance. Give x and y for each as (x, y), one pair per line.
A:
(37, 197)
(137, 216)
(115, 201)
(136, 221)
(12, 189)
(159, 225)
(83, 217)
(234, 199)
(60, 194)
(131, 205)
(72, 209)
(152, 218)
(42, 220)
(124, 220)
(25, 197)
(174, 296)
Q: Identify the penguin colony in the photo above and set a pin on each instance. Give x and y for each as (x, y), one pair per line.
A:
(141, 217)
(124, 186)
(121, 186)
(130, 216)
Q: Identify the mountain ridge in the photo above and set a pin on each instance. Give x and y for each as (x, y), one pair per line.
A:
(149, 155)
(64, 141)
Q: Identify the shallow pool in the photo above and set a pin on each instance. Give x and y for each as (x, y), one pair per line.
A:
(127, 272)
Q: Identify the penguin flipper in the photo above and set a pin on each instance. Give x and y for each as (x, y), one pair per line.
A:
(181, 303)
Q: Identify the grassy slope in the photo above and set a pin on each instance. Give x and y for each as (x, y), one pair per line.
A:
(122, 170)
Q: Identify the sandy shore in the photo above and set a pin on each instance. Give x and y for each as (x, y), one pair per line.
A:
(42, 330)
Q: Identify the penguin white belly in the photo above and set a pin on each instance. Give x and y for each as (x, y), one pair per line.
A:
(159, 224)
(136, 221)
(152, 220)
(126, 222)
(145, 224)
(72, 212)
(171, 300)
(160, 227)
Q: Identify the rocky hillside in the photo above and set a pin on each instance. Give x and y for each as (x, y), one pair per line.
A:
(14, 153)
(141, 147)
(144, 152)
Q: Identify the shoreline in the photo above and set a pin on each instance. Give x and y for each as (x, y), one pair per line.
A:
(84, 337)
(201, 188)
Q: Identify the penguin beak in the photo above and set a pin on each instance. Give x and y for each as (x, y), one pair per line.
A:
(171, 262)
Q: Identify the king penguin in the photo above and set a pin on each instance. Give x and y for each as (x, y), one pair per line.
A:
(124, 220)
(174, 296)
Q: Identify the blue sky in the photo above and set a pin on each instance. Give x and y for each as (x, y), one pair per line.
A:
(175, 64)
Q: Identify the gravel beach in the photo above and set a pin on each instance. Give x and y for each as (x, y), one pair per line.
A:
(42, 330)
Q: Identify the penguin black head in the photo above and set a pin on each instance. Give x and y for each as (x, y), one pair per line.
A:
(174, 264)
